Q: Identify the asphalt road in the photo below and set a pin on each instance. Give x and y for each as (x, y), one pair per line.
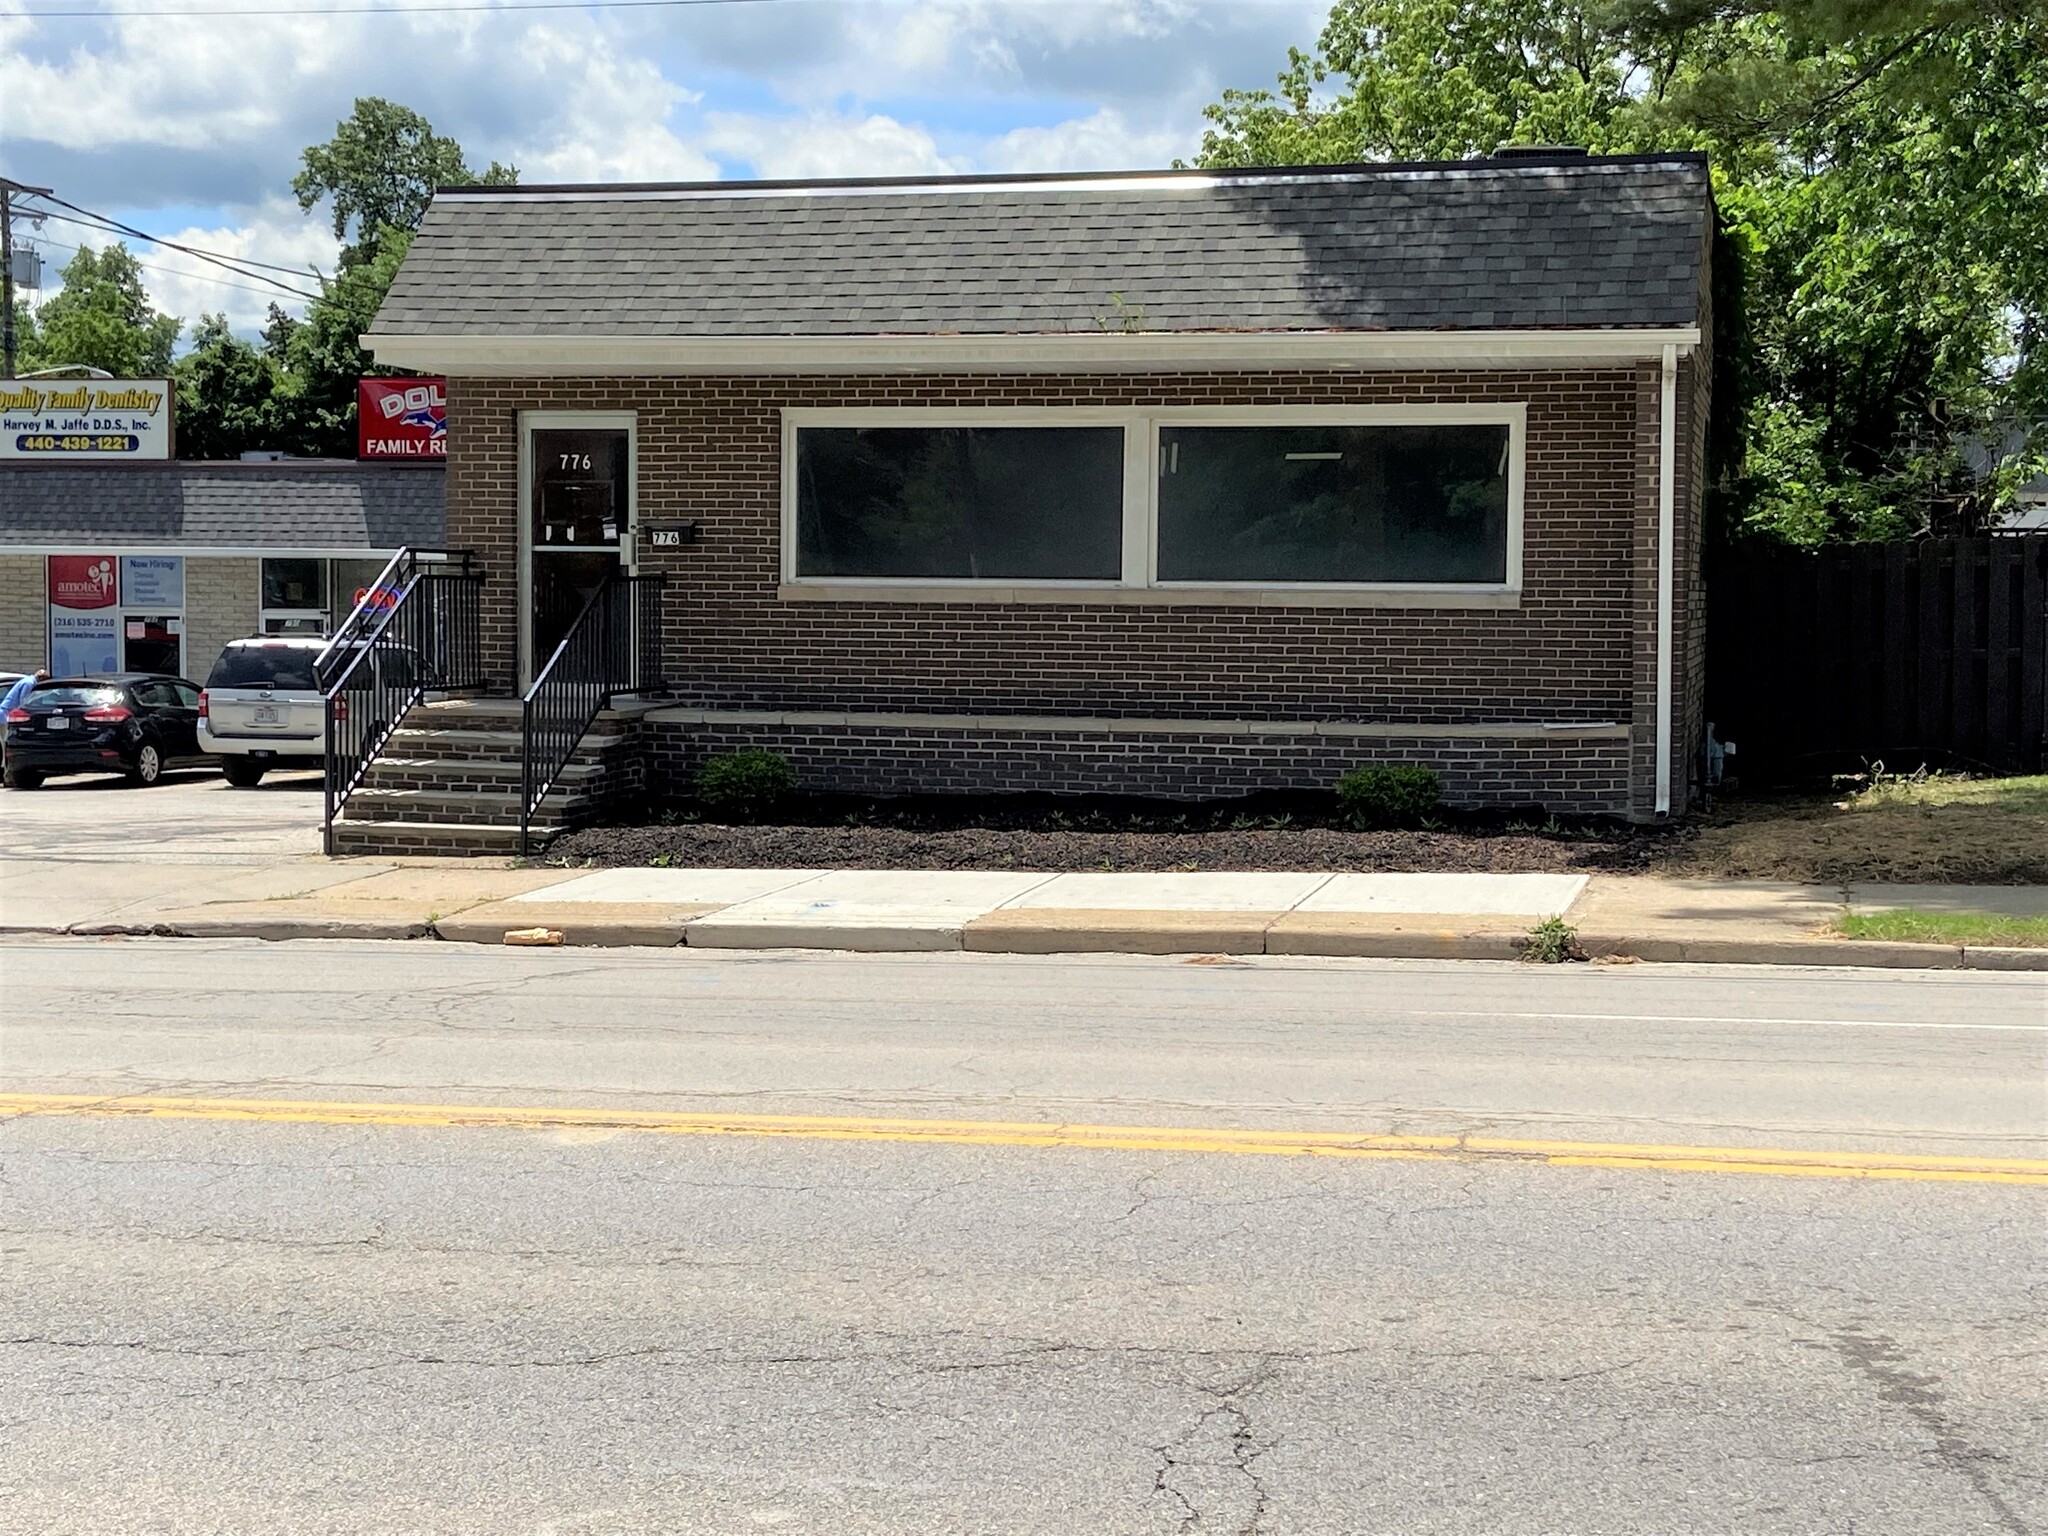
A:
(221, 1325)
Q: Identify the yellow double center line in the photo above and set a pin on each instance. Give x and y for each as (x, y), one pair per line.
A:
(1791, 1162)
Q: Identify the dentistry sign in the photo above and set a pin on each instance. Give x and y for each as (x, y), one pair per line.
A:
(64, 420)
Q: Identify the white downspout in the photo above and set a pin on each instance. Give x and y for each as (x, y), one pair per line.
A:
(1667, 539)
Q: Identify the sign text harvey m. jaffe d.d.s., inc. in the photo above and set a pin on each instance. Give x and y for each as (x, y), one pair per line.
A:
(69, 419)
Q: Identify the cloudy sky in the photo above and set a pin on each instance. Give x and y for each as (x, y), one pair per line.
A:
(191, 127)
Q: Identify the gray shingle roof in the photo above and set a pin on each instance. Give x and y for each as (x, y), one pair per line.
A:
(1501, 244)
(325, 505)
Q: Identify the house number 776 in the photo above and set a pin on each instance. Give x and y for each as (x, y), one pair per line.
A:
(575, 461)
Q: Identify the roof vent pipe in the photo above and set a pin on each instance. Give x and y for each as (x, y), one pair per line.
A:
(1540, 152)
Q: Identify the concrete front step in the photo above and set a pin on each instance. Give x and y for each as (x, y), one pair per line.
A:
(489, 746)
(401, 837)
(487, 775)
(461, 807)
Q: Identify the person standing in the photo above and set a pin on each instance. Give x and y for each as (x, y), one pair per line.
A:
(21, 689)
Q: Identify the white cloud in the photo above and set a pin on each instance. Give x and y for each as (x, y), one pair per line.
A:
(204, 120)
(827, 146)
(610, 114)
(1104, 141)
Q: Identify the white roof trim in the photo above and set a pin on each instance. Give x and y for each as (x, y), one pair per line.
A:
(1113, 182)
(515, 356)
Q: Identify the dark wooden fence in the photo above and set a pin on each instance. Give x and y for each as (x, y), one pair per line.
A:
(1930, 651)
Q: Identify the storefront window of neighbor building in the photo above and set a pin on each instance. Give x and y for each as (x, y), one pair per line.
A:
(304, 595)
(1394, 497)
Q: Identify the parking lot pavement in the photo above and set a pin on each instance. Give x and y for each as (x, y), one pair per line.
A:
(194, 817)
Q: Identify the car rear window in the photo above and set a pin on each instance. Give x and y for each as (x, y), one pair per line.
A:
(73, 695)
(264, 666)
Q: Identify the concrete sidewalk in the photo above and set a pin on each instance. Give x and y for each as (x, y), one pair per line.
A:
(1474, 916)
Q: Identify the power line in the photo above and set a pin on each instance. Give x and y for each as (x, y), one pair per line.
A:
(365, 10)
(172, 245)
(96, 223)
(162, 271)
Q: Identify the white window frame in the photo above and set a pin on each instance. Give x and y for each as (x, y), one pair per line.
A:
(529, 423)
(1138, 582)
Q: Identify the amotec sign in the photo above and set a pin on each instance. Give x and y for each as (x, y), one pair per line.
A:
(81, 581)
(62, 419)
(85, 629)
(402, 419)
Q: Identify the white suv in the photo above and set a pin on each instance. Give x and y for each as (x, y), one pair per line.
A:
(262, 709)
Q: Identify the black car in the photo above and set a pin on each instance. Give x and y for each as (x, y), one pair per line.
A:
(137, 723)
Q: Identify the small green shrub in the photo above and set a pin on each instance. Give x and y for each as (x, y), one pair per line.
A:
(745, 785)
(1389, 794)
(1552, 942)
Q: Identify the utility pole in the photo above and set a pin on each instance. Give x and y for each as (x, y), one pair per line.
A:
(7, 191)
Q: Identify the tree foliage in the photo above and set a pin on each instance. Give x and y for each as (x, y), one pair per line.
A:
(1881, 169)
(101, 318)
(296, 393)
(379, 172)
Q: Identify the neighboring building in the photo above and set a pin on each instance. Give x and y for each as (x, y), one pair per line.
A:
(156, 566)
(1183, 483)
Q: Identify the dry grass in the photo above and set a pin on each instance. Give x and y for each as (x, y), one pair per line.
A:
(1918, 830)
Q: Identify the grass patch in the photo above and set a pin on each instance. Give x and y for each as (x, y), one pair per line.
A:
(1918, 829)
(1552, 942)
(1906, 925)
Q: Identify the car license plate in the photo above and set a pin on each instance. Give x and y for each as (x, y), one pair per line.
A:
(266, 714)
(60, 722)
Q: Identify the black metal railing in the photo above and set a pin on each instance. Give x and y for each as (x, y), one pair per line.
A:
(613, 647)
(415, 631)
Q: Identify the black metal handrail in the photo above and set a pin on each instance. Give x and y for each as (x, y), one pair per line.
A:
(416, 630)
(613, 647)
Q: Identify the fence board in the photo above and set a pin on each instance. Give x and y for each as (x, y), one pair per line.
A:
(1934, 650)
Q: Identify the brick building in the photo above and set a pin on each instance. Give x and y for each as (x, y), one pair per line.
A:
(194, 554)
(1184, 483)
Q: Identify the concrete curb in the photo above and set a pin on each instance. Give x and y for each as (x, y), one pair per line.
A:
(1188, 933)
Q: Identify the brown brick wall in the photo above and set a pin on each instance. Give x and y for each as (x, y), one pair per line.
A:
(1578, 648)
(1586, 778)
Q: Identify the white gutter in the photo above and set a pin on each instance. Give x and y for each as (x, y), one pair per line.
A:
(590, 355)
(1667, 535)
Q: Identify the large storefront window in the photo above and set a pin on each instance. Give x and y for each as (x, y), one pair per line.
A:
(1371, 504)
(960, 503)
(1403, 504)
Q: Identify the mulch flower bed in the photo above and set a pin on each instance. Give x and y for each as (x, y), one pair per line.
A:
(984, 834)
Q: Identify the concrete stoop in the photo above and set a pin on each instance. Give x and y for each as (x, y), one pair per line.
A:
(449, 782)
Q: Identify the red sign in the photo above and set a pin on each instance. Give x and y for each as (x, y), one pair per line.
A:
(82, 581)
(402, 419)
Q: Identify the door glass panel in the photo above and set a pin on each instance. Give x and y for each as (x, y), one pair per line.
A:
(578, 522)
(579, 488)
(149, 643)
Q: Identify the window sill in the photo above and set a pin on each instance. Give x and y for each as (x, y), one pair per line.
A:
(1152, 597)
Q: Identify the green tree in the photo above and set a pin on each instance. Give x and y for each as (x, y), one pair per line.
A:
(379, 172)
(313, 409)
(224, 394)
(1881, 168)
(101, 318)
